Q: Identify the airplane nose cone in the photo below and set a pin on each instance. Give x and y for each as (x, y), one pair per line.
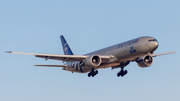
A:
(153, 46)
(156, 44)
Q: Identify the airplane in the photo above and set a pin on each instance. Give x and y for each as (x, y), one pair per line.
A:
(140, 50)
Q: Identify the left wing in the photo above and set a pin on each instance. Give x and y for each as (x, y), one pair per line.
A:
(154, 55)
(64, 58)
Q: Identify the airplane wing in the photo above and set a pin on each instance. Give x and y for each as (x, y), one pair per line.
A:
(52, 65)
(64, 58)
(154, 55)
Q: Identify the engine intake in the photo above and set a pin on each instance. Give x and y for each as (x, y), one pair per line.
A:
(145, 61)
(93, 61)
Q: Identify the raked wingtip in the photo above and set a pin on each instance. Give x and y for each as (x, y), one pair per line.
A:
(173, 52)
(8, 51)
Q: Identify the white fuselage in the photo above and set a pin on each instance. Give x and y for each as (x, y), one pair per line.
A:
(121, 53)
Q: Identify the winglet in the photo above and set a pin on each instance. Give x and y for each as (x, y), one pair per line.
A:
(8, 51)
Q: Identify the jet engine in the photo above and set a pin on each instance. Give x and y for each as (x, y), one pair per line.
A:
(93, 61)
(145, 61)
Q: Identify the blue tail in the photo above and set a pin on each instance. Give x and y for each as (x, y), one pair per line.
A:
(66, 48)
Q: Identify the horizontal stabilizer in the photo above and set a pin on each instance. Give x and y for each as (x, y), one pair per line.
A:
(52, 65)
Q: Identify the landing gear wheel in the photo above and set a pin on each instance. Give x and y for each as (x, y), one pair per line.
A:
(122, 73)
(96, 72)
(92, 73)
(125, 72)
(118, 74)
(89, 74)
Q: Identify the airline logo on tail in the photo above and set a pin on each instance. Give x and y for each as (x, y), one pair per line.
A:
(65, 48)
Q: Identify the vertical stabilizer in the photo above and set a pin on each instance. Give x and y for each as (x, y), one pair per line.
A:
(66, 48)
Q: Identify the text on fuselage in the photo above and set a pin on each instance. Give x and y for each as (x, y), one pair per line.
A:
(128, 43)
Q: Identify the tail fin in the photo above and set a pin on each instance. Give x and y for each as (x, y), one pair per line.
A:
(66, 48)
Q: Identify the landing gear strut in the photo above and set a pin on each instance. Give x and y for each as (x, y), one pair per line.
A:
(92, 73)
(122, 72)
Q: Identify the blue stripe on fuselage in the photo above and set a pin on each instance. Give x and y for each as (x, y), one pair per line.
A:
(76, 66)
(81, 69)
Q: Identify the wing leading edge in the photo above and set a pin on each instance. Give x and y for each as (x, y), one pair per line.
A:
(154, 55)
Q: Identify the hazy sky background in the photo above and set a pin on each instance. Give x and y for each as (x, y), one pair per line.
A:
(88, 25)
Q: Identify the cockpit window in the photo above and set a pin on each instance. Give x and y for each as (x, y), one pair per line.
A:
(152, 40)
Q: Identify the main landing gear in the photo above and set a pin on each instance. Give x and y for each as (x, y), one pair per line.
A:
(122, 72)
(92, 73)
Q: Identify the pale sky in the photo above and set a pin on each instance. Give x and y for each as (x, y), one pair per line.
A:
(35, 26)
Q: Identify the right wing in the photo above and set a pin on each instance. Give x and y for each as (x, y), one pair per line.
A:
(52, 65)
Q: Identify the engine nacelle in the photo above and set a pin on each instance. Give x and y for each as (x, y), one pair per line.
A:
(93, 61)
(145, 61)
